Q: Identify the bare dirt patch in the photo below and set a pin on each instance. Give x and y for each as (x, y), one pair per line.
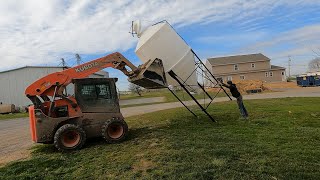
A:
(13, 156)
(143, 165)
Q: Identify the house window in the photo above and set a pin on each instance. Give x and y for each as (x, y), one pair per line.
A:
(219, 79)
(229, 78)
(236, 68)
(253, 65)
(282, 73)
(271, 74)
(267, 74)
(242, 77)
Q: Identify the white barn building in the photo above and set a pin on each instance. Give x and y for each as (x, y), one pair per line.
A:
(14, 82)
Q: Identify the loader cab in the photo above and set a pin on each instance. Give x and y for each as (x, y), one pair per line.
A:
(97, 95)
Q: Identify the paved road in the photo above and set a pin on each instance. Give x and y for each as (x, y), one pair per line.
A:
(142, 101)
(15, 136)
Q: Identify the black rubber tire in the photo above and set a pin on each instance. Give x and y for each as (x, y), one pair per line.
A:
(61, 132)
(114, 122)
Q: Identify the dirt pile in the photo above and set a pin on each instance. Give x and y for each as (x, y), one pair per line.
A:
(244, 86)
(281, 85)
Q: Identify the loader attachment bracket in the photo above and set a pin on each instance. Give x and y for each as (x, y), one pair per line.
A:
(151, 75)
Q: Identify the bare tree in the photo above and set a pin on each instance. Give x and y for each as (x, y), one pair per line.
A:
(314, 65)
(135, 89)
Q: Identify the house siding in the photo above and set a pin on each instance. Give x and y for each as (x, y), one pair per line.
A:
(277, 76)
(243, 67)
(258, 72)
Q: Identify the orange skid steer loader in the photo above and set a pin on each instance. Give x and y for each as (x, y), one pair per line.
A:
(93, 111)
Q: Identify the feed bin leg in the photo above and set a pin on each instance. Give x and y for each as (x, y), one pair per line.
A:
(174, 76)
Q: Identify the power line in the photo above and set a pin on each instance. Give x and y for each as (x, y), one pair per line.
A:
(282, 57)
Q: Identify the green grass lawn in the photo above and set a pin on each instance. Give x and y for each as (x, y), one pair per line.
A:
(281, 140)
(13, 116)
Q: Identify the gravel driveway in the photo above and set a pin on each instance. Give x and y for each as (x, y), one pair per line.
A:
(15, 136)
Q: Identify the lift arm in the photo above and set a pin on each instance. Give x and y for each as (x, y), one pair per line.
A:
(55, 83)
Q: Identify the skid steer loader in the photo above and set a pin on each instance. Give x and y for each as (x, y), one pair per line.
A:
(93, 111)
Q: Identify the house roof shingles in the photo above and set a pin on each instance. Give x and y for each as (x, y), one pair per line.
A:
(277, 67)
(238, 59)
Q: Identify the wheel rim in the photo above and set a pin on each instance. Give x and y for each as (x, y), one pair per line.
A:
(115, 131)
(70, 139)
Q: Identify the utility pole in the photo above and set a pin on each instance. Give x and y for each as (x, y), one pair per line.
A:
(289, 66)
(78, 59)
(64, 66)
(63, 62)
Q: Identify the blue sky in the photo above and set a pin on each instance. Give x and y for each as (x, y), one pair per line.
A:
(34, 32)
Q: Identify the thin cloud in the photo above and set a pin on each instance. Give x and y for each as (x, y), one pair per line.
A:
(231, 38)
(40, 32)
(300, 44)
(306, 38)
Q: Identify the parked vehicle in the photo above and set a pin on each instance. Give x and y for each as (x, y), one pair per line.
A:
(309, 79)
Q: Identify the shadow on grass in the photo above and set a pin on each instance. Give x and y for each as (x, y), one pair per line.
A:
(133, 136)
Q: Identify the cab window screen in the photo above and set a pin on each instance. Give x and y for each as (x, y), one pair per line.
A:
(103, 91)
(96, 96)
(96, 91)
(88, 91)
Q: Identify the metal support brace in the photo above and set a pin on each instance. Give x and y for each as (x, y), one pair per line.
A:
(205, 91)
(174, 76)
(182, 102)
(211, 74)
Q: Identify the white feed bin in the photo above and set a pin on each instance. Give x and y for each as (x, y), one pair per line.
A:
(161, 41)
